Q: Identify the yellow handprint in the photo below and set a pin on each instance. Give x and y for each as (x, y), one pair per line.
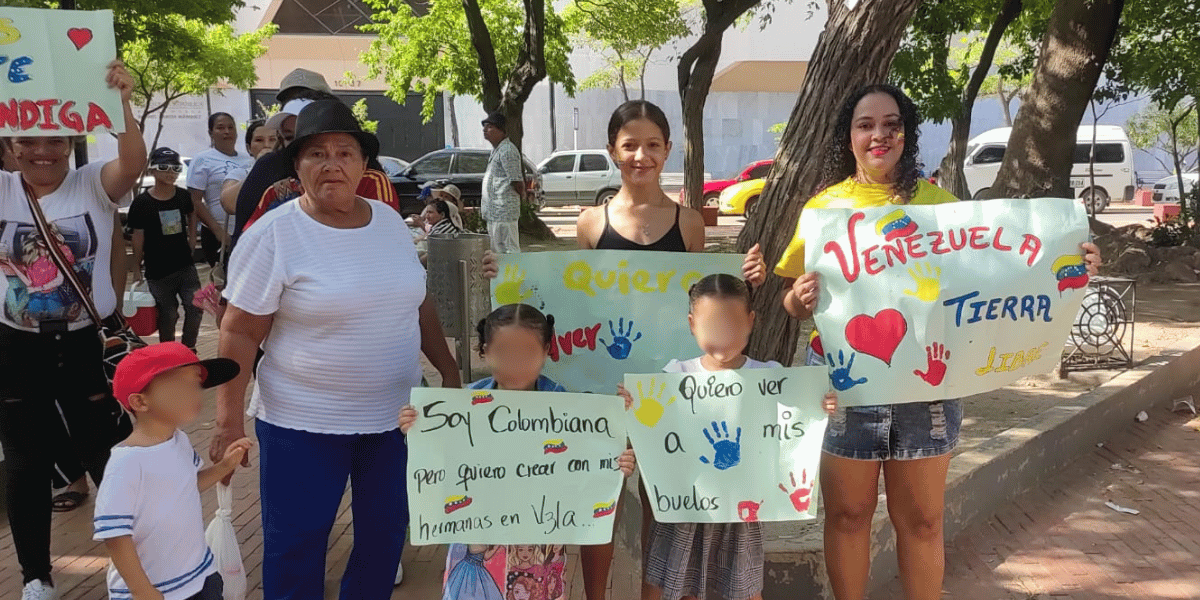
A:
(8, 33)
(928, 282)
(651, 409)
(510, 291)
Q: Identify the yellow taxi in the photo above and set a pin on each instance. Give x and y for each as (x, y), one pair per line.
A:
(739, 197)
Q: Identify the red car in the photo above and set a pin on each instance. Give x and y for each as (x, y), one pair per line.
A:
(713, 189)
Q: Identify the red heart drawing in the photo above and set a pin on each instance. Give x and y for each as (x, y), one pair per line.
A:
(877, 336)
(79, 37)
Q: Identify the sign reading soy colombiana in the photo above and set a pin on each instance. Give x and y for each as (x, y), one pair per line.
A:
(923, 302)
(500, 467)
(729, 446)
(53, 65)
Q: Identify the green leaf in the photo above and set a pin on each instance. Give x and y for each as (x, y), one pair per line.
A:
(432, 53)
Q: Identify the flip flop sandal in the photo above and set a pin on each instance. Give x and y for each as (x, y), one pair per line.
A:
(68, 501)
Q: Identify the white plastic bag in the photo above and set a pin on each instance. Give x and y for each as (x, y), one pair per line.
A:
(222, 539)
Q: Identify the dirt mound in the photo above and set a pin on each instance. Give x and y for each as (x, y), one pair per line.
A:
(1129, 251)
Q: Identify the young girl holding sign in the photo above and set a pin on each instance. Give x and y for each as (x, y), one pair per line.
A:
(514, 341)
(642, 217)
(711, 560)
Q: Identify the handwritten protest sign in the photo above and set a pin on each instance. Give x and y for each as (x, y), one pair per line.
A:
(52, 69)
(729, 446)
(931, 302)
(497, 467)
(615, 311)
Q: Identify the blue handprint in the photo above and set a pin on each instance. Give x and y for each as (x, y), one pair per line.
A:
(621, 344)
(840, 376)
(728, 452)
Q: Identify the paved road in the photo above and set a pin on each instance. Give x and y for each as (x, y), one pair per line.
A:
(1119, 215)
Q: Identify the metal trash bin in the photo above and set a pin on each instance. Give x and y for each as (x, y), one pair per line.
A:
(460, 291)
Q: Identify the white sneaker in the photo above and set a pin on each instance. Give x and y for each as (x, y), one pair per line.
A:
(399, 575)
(38, 590)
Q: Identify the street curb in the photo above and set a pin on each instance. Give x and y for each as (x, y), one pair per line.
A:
(995, 472)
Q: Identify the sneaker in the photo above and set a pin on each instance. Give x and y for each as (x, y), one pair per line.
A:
(399, 574)
(38, 590)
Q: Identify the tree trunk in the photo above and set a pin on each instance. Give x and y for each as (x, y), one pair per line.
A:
(1005, 99)
(950, 172)
(1040, 150)
(867, 37)
(453, 114)
(621, 76)
(158, 133)
(695, 72)
(485, 51)
(693, 95)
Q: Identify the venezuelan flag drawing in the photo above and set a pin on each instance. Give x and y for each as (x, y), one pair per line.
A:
(896, 224)
(1070, 272)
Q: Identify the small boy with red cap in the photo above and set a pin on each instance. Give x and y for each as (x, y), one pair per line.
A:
(148, 509)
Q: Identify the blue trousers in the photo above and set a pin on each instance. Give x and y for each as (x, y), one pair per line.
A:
(302, 480)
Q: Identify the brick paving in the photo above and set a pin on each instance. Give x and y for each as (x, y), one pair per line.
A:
(1059, 541)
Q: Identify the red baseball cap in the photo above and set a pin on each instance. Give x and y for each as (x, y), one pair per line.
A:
(136, 371)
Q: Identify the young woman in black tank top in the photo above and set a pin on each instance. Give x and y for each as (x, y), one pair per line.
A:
(671, 242)
(641, 217)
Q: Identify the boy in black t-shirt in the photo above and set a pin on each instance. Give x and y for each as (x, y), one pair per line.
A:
(164, 232)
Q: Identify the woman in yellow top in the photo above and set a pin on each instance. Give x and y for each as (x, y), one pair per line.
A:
(873, 162)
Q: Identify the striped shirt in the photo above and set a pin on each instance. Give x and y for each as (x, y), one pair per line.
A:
(344, 348)
(150, 494)
(445, 227)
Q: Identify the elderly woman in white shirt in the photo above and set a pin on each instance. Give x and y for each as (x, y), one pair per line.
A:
(335, 281)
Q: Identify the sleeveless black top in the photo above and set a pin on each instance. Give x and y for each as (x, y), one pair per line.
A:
(672, 241)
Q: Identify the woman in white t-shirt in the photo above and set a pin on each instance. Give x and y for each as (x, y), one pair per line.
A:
(335, 281)
(206, 179)
(49, 348)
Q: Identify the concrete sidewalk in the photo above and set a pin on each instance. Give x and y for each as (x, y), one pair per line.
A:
(1061, 541)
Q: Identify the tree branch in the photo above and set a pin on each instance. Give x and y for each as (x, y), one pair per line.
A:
(481, 39)
(531, 60)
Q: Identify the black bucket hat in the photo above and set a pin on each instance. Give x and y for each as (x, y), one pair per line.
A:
(330, 116)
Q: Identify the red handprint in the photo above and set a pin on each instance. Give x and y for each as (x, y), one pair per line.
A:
(748, 510)
(936, 371)
(801, 495)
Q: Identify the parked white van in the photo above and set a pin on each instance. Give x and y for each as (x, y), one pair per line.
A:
(1115, 177)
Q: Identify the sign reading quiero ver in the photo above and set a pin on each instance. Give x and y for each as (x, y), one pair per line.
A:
(500, 467)
(615, 311)
(729, 446)
(927, 302)
(53, 65)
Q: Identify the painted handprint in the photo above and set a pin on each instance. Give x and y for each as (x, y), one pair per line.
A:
(728, 452)
(840, 376)
(801, 494)
(937, 354)
(748, 511)
(621, 345)
(927, 280)
(512, 289)
(650, 406)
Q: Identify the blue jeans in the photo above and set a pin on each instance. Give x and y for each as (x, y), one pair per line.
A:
(909, 431)
(302, 479)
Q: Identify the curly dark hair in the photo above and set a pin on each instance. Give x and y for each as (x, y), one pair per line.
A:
(839, 158)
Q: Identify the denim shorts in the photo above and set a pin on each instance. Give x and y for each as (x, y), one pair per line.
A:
(892, 431)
